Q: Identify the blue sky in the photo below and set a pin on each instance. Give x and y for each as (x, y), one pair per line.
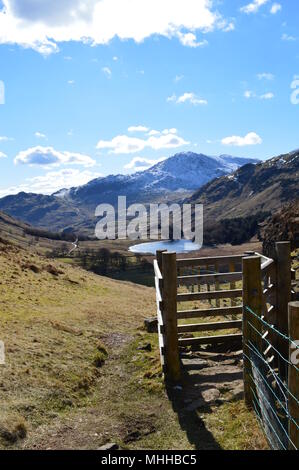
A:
(94, 87)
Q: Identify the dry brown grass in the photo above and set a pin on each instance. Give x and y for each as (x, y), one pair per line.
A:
(52, 322)
(59, 325)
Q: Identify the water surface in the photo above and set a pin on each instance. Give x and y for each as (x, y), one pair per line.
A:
(179, 246)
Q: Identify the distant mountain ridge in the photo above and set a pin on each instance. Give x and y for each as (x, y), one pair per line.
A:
(173, 178)
(186, 171)
(264, 187)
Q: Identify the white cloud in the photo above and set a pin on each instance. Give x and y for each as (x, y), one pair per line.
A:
(138, 129)
(40, 135)
(52, 182)
(237, 141)
(267, 96)
(3, 138)
(123, 144)
(141, 164)
(172, 98)
(254, 6)
(249, 94)
(190, 40)
(265, 76)
(3, 155)
(288, 37)
(107, 72)
(154, 132)
(276, 7)
(47, 156)
(187, 98)
(178, 78)
(42, 25)
(173, 130)
(71, 82)
(229, 27)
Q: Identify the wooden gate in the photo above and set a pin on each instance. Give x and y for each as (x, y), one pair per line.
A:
(199, 300)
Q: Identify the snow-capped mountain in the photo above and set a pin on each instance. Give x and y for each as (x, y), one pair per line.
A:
(184, 172)
(190, 170)
(175, 177)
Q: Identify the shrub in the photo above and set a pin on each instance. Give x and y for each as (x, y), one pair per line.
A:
(100, 356)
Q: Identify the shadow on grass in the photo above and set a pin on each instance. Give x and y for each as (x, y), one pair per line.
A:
(193, 395)
(190, 421)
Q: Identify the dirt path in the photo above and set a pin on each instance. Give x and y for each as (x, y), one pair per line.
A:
(142, 420)
(210, 381)
(93, 426)
(212, 377)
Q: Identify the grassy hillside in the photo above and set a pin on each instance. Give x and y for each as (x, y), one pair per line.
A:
(43, 211)
(53, 320)
(19, 233)
(79, 372)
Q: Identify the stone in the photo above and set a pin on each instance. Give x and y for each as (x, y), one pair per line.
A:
(208, 397)
(151, 325)
(145, 347)
(109, 446)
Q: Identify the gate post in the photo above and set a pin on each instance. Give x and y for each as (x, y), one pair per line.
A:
(172, 359)
(252, 298)
(159, 258)
(283, 297)
(293, 375)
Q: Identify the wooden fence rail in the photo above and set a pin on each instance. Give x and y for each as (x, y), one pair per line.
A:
(245, 299)
(197, 283)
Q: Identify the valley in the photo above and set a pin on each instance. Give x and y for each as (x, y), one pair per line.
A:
(73, 209)
(242, 198)
(72, 321)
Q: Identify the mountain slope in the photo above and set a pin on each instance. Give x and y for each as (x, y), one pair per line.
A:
(263, 187)
(175, 177)
(19, 234)
(283, 225)
(183, 172)
(43, 211)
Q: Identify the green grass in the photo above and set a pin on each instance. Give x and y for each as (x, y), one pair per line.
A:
(235, 428)
(76, 375)
(52, 326)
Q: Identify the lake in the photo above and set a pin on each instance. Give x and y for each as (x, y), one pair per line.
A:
(179, 246)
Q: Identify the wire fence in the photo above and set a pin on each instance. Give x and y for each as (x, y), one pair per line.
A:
(270, 392)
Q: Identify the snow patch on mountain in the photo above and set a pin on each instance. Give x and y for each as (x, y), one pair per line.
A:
(186, 171)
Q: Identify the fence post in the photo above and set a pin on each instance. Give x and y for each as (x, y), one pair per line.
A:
(159, 258)
(283, 297)
(293, 374)
(217, 284)
(252, 298)
(232, 284)
(172, 360)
